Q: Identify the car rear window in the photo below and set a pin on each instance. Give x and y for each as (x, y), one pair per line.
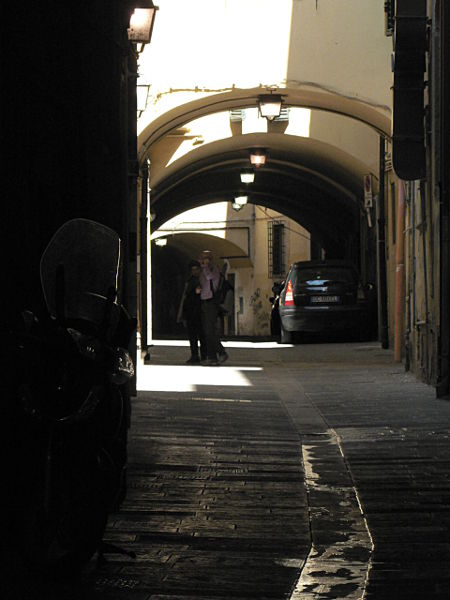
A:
(317, 274)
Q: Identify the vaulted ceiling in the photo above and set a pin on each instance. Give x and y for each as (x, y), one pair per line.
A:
(317, 185)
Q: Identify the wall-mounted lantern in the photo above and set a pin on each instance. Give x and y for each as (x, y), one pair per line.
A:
(247, 176)
(258, 157)
(142, 21)
(142, 92)
(269, 106)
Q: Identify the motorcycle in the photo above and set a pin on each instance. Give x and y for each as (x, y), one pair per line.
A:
(72, 401)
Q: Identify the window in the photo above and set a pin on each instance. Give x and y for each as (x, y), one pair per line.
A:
(276, 239)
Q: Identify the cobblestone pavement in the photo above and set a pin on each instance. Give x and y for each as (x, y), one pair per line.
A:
(305, 472)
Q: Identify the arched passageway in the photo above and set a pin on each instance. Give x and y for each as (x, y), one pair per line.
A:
(316, 178)
(314, 183)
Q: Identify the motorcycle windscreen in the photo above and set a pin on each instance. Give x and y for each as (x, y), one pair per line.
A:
(80, 267)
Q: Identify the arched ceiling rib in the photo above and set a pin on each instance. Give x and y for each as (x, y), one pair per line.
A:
(306, 95)
(327, 219)
(315, 184)
(285, 153)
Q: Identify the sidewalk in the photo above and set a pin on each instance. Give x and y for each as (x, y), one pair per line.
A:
(394, 437)
(305, 472)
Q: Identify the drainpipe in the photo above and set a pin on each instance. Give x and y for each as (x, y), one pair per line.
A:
(399, 273)
(383, 334)
(425, 321)
(412, 280)
(143, 256)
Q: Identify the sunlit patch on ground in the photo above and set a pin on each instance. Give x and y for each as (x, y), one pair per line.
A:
(228, 344)
(181, 378)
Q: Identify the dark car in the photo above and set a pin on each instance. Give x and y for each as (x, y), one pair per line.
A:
(320, 297)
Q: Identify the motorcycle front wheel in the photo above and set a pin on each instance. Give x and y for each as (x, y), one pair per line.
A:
(61, 534)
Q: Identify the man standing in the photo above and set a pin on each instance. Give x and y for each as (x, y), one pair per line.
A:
(190, 314)
(209, 283)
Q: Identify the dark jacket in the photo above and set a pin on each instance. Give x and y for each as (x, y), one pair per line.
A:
(190, 306)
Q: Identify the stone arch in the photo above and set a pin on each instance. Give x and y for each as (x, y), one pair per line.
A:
(305, 96)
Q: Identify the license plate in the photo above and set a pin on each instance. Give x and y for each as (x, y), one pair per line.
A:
(324, 299)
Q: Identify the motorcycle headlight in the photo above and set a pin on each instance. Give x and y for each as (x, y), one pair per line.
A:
(123, 367)
(87, 346)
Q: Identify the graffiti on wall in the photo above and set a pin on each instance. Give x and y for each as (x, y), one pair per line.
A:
(259, 304)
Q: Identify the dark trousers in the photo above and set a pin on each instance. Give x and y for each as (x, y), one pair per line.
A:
(210, 329)
(196, 336)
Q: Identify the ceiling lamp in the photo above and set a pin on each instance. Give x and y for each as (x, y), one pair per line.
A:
(239, 202)
(142, 21)
(247, 176)
(258, 157)
(269, 106)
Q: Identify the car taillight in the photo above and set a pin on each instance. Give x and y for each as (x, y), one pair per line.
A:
(289, 296)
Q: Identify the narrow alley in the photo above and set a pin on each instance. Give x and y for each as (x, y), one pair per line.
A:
(296, 155)
(302, 472)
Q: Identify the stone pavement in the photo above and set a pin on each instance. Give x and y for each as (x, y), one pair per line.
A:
(304, 472)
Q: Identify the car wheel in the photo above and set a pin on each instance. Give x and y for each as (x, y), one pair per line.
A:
(285, 336)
